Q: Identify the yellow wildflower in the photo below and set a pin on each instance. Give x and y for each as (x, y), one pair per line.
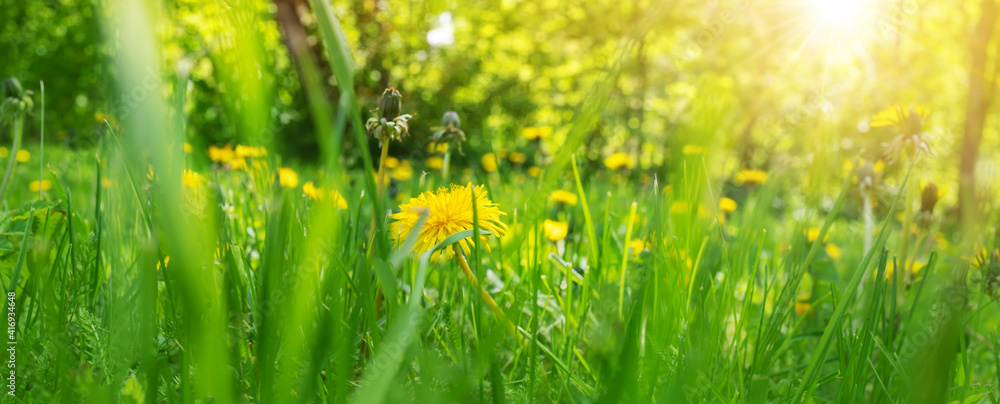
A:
(489, 162)
(727, 205)
(310, 190)
(536, 133)
(449, 212)
(435, 163)
(555, 230)
(23, 156)
(192, 179)
(618, 161)
(287, 177)
(44, 185)
(564, 197)
(751, 177)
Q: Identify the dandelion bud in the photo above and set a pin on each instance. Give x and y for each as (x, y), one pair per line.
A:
(450, 119)
(389, 105)
(12, 88)
(929, 198)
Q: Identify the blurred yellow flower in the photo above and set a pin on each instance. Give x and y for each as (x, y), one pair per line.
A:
(489, 162)
(564, 197)
(833, 251)
(517, 158)
(23, 156)
(727, 205)
(435, 163)
(403, 172)
(287, 177)
(4, 152)
(165, 263)
(897, 114)
(555, 230)
(35, 186)
(813, 233)
(310, 190)
(637, 246)
(618, 161)
(250, 151)
(437, 147)
(339, 200)
(391, 162)
(449, 212)
(690, 149)
(187, 147)
(536, 133)
(221, 154)
(890, 268)
(751, 177)
(237, 164)
(534, 171)
(191, 179)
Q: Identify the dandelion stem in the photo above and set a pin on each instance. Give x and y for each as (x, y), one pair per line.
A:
(381, 169)
(447, 163)
(486, 296)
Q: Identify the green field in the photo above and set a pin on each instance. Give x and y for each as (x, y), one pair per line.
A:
(500, 201)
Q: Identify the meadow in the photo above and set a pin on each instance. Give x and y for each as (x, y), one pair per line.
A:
(371, 202)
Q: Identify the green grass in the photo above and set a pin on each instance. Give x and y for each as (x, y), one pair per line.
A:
(132, 287)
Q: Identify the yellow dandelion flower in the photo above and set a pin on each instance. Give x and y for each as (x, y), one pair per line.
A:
(403, 171)
(489, 162)
(221, 154)
(287, 177)
(555, 230)
(23, 156)
(564, 197)
(237, 164)
(727, 205)
(517, 158)
(813, 233)
(890, 268)
(249, 151)
(435, 163)
(637, 246)
(192, 179)
(187, 147)
(339, 200)
(437, 147)
(833, 251)
(534, 171)
(618, 161)
(44, 185)
(310, 190)
(391, 162)
(4, 152)
(536, 133)
(690, 150)
(449, 212)
(897, 115)
(751, 177)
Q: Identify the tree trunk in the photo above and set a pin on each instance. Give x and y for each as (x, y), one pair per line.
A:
(980, 90)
